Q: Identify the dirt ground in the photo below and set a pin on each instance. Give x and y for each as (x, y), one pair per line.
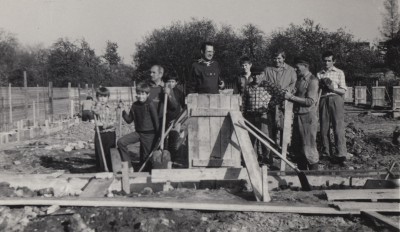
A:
(369, 141)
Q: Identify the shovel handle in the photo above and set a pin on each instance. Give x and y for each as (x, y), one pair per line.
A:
(101, 144)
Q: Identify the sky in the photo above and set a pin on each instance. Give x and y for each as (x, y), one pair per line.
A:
(127, 22)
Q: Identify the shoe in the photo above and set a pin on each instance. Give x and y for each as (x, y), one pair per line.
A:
(338, 160)
(314, 166)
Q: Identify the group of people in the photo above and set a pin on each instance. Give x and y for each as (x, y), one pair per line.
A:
(318, 102)
(323, 94)
(146, 113)
(262, 105)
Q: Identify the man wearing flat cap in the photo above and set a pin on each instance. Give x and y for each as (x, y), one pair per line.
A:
(305, 121)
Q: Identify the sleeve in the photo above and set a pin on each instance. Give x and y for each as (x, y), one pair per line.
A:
(154, 117)
(191, 84)
(128, 117)
(237, 87)
(342, 81)
(312, 93)
(293, 79)
(173, 102)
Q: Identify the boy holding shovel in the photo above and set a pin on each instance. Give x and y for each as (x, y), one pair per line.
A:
(144, 115)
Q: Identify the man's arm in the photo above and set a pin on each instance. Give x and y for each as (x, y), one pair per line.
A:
(342, 88)
(311, 96)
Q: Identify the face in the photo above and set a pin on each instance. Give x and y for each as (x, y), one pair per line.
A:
(246, 67)
(208, 53)
(171, 83)
(103, 99)
(155, 74)
(142, 96)
(279, 61)
(328, 62)
(301, 69)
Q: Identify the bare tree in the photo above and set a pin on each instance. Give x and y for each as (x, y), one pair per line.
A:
(391, 19)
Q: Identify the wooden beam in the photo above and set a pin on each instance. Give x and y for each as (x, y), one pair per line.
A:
(363, 194)
(394, 226)
(249, 155)
(176, 204)
(97, 188)
(186, 175)
(368, 206)
(206, 112)
(214, 163)
(266, 196)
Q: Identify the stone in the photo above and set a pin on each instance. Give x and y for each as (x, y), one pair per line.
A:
(17, 162)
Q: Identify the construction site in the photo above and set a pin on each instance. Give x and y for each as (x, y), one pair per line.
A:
(48, 180)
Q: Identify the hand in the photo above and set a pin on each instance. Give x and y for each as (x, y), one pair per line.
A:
(288, 95)
(221, 84)
(167, 89)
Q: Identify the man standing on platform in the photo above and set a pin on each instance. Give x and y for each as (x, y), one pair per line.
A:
(331, 108)
(305, 123)
(284, 76)
(205, 74)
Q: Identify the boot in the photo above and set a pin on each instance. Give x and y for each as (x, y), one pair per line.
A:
(314, 166)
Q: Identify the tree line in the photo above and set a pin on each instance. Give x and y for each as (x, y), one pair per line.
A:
(177, 46)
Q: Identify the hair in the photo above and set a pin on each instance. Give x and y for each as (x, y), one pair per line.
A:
(205, 44)
(159, 68)
(171, 75)
(89, 98)
(102, 92)
(303, 62)
(279, 52)
(328, 54)
(143, 87)
(245, 59)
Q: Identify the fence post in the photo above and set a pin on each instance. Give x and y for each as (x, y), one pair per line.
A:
(10, 103)
(26, 95)
(79, 98)
(51, 110)
(34, 113)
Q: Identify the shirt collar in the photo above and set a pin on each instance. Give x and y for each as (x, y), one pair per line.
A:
(203, 61)
(307, 76)
(284, 66)
(331, 69)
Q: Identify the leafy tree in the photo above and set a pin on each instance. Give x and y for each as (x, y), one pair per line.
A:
(254, 45)
(391, 19)
(111, 56)
(8, 53)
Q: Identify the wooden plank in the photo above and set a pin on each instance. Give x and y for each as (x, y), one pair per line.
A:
(394, 226)
(203, 136)
(215, 129)
(264, 172)
(249, 155)
(202, 112)
(368, 206)
(193, 142)
(214, 163)
(96, 188)
(235, 102)
(363, 194)
(245, 206)
(287, 131)
(126, 186)
(188, 175)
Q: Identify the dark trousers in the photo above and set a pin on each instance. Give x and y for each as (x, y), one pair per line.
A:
(304, 139)
(108, 141)
(147, 141)
(259, 121)
(274, 127)
(87, 115)
(331, 111)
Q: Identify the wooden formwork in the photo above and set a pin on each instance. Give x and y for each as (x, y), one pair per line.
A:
(211, 136)
(396, 101)
(360, 96)
(378, 96)
(348, 96)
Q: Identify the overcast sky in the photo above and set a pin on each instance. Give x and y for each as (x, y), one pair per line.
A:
(128, 21)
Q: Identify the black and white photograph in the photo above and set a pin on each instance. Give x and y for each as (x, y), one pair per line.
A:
(199, 115)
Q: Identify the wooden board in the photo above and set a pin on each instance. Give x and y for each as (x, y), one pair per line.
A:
(363, 194)
(215, 129)
(96, 188)
(368, 206)
(201, 112)
(214, 163)
(249, 155)
(382, 219)
(176, 204)
(287, 130)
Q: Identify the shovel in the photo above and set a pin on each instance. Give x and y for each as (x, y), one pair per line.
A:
(115, 156)
(101, 144)
(305, 185)
(161, 157)
(385, 183)
(181, 118)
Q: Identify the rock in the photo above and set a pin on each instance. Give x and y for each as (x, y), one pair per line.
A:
(147, 191)
(17, 162)
(68, 148)
(52, 209)
(167, 187)
(77, 224)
